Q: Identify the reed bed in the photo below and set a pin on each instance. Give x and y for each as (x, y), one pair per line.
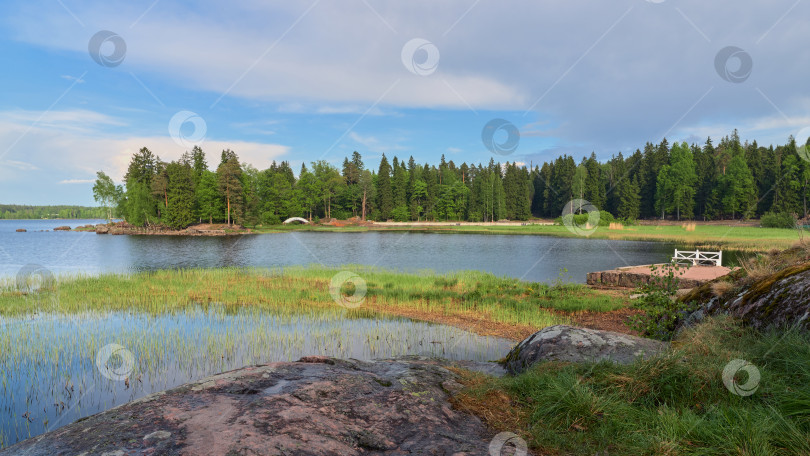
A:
(175, 326)
(49, 364)
(306, 290)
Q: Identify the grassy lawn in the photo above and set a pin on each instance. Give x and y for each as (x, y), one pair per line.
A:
(673, 404)
(704, 236)
(485, 303)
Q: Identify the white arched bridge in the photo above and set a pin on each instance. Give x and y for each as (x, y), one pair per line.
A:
(296, 219)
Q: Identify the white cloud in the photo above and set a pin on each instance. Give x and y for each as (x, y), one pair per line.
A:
(605, 76)
(76, 120)
(20, 165)
(62, 152)
(73, 78)
(374, 144)
(318, 60)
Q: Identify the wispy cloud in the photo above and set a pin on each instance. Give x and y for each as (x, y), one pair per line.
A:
(20, 165)
(375, 145)
(73, 78)
(76, 181)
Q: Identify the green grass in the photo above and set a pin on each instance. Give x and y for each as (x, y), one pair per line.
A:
(736, 237)
(673, 404)
(469, 294)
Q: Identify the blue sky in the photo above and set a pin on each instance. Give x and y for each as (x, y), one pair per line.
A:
(309, 80)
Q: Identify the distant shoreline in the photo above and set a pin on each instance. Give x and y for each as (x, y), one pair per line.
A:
(744, 236)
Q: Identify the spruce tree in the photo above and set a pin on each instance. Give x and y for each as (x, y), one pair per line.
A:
(384, 191)
(230, 186)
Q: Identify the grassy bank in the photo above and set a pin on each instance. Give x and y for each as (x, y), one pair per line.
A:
(485, 303)
(670, 405)
(737, 237)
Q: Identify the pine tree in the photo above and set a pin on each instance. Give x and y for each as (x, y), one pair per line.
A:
(630, 200)
(676, 183)
(594, 191)
(230, 186)
(180, 209)
(209, 201)
(385, 193)
(140, 206)
(737, 187)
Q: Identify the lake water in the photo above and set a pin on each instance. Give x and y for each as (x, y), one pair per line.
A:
(55, 369)
(532, 258)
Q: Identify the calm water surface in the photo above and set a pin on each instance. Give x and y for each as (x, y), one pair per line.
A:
(50, 368)
(533, 258)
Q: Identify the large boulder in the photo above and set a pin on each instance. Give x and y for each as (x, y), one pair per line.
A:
(779, 300)
(572, 344)
(316, 406)
(62, 228)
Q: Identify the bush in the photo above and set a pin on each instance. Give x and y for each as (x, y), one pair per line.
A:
(777, 220)
(269, 218)
(341, 214)
(605, 219)
(661, 309)
(401, 214)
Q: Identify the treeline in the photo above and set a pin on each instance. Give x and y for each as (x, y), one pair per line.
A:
(15, 211)
(708, 182)
(729, 180)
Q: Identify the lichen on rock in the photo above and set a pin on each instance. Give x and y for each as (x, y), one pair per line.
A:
(572, 344)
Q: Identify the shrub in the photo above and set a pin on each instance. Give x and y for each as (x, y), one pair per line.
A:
(401, 214)
(341, 214)
(777, 220)
(661, 310)
(269, 218)
(605, 219)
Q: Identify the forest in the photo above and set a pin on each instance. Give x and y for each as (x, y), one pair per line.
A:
(730, 180)
(16, 211)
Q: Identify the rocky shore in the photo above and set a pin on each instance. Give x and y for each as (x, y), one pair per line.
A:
(205, 229)
(323, 406)
(316, 406)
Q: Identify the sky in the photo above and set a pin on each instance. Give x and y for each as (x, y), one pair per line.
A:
(85, 84)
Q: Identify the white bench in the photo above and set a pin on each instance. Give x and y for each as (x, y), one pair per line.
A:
(697, 257)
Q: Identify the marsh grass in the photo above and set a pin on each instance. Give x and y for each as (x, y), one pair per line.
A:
(182, 325)
(673, 404)
(306, 290)
(49, 364)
